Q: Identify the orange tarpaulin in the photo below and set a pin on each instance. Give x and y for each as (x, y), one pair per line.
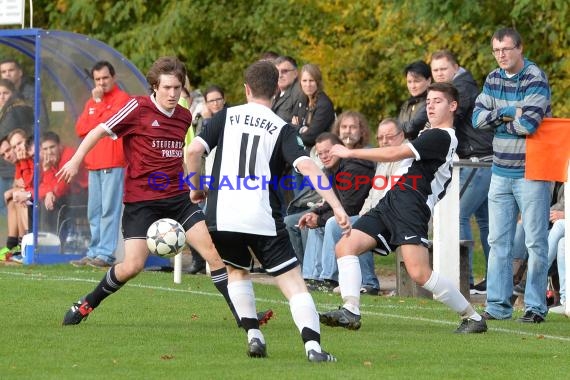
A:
(548, 151)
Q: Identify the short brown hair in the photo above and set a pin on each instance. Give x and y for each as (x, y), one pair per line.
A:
(261, 77)
(166, 65)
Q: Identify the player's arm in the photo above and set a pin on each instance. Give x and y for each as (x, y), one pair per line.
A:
(386, 154)
(308, 168)
(71, 167)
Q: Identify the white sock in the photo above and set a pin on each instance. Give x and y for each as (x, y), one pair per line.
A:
(350, 279)
(305, 315)
(242, 296)
(445, 292)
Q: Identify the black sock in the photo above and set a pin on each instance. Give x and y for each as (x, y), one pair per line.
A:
(11, 242)
(220, 280)
(108, 285)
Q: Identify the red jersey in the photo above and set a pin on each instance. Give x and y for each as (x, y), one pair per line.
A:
(153, 142)
(50, 183)
(25, 172)
(107, 153)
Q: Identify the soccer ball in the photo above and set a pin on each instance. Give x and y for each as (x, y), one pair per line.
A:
(165, 238)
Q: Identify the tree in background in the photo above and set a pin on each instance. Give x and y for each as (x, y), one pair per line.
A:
(361, 46)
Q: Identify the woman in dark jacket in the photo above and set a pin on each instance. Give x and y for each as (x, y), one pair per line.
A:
(413, 115)
(316, 114)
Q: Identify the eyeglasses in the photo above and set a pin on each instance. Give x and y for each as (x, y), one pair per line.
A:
(286, 71)
(217, 100)
(503, 50)
(388, 137)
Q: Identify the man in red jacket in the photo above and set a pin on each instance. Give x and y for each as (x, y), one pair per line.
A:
(105, 163)
(53, 193)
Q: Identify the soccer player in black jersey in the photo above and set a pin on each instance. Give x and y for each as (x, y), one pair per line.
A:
(401, 218)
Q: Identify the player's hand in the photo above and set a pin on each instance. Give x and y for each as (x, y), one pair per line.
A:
(67, 171)
(198, 196)
(343, 220)
(340, 151)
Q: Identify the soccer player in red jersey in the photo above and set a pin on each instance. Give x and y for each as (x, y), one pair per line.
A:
(153, 129)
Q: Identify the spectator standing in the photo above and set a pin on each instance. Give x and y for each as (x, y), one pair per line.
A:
(11, 70)
(316, 114)
(514, 100)
(472, 144)
(290, 94)
(413, 116)
(105, 164)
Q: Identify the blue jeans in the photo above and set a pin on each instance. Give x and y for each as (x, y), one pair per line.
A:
(556, 251)
(474, 202)
(104, 207)
(508, 196)
(332, 235)
(5, 184)
(297, 236)
(312, 259)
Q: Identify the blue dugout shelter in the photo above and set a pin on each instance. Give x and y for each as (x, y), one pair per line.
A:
(60, 63)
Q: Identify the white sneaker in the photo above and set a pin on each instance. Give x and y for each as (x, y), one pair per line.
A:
(560, 309)
(336, 290)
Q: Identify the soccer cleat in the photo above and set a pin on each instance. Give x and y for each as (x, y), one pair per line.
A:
(256, 349)
(77, 313)
(471, 326)
(341, 317)
(531, 317)
(264, 316)
(317, 357)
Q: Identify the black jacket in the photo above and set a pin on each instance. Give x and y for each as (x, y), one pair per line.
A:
(413, 116)
(350, 197)
(471, 142)
(284, 105)
(321, 121)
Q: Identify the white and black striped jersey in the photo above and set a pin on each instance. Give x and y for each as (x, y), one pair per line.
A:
(429, 172)
(253, 147)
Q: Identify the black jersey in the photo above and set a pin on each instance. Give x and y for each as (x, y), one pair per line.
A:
(429, 172)
(253, 147)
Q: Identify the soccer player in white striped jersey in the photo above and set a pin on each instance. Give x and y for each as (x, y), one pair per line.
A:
(244, 211)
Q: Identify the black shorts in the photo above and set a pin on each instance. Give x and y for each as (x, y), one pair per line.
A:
(401, 217)
(138, 216)
(275, 253)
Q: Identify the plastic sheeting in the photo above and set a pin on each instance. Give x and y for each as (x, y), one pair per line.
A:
(59, 63)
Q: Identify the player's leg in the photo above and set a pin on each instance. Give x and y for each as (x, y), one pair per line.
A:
(136, 253)
(304, 313)
(350, 279)
(136, 219)
(240, 289)
(416, 259)
(277, 256)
